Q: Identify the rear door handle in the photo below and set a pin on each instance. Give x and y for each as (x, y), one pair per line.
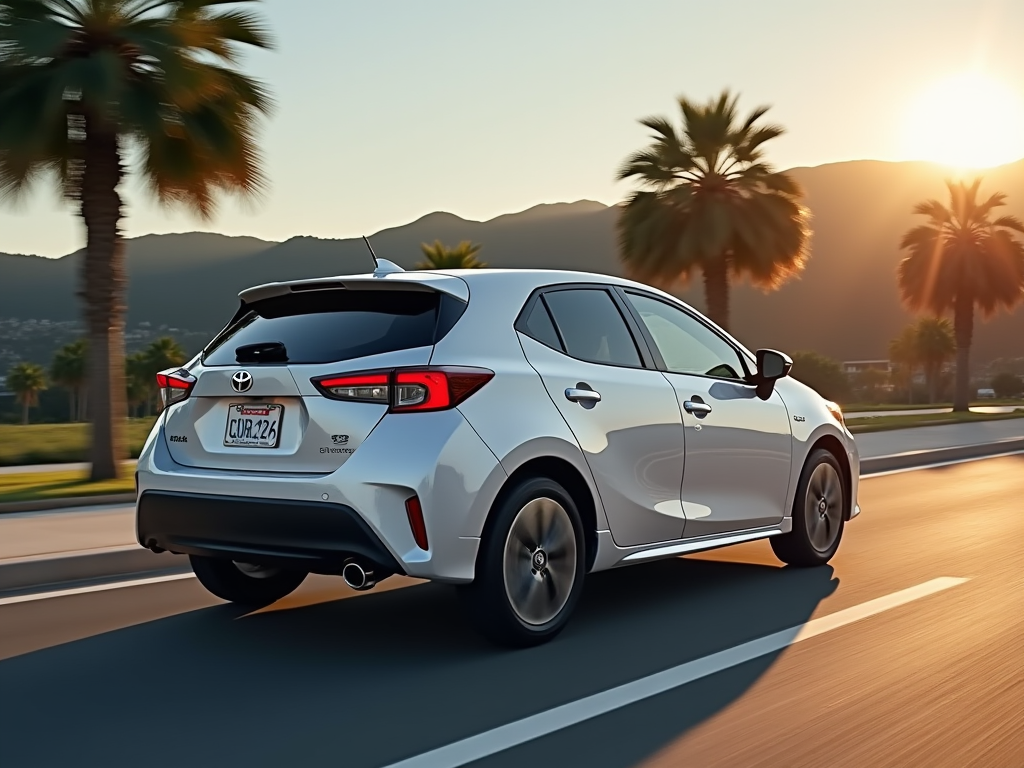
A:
(698, 409)
(582, 396)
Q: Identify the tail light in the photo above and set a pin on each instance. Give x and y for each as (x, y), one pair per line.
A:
(404, 390)
(175, 385)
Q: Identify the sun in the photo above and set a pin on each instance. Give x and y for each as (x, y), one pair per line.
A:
(966, 122)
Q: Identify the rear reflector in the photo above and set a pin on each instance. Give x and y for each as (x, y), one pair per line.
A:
(432, 388)
(175, 385)
(416, 523)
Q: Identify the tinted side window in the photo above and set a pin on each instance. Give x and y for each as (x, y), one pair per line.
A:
(331, 326)
(592, 326)
(686, 344)
(538, 326)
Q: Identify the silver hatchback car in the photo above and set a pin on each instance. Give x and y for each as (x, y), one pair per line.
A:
(506, 431)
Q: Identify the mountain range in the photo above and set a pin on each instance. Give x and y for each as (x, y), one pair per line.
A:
(845, 304)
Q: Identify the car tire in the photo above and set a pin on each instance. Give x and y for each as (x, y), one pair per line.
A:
(819, 514)
(247, 585)
(530, 568)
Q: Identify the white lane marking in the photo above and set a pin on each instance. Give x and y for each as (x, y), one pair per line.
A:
(865, 476)
(94, 588)
(533, 727)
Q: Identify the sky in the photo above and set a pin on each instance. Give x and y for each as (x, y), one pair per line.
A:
(389, 110)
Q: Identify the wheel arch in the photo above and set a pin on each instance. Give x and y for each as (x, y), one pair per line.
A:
(569, 477)
(834, 445)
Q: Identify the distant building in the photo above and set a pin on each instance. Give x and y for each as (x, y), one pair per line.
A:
(859, 366)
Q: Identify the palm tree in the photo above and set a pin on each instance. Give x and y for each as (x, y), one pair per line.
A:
(86, 85)
(163, 353)
(440, 256)
(960, 259)
(709, 201)
(935, 344)
(68, 371)
(903, 354)
(27, 380)
(139, 382)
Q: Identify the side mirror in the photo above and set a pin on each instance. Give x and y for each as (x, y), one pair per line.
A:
(771, 366)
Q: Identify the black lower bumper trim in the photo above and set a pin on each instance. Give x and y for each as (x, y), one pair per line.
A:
(305, 535)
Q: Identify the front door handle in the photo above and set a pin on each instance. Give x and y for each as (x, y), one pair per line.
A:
(697, 408)
(583, 395)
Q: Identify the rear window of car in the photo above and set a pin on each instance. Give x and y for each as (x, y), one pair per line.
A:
(335, 325)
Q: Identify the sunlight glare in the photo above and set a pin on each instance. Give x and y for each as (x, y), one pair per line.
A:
(966, 122)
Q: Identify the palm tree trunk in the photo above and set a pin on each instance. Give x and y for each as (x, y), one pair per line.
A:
(716, 290)
(963, 327)
(103, 282)
(71, 404)
(24, 412)
(83, 402)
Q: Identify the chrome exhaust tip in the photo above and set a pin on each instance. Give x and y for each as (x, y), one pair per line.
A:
(357, 577)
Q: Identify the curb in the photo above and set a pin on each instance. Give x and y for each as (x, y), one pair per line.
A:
(50, 570)
(58, 504)
(926, 458)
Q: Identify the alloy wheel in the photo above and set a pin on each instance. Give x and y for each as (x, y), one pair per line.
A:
(540, 561)
(823, 506)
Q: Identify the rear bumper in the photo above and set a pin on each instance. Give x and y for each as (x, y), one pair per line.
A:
(309, 536)
(435, 456)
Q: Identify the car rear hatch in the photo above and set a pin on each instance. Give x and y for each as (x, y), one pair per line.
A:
(254, 405)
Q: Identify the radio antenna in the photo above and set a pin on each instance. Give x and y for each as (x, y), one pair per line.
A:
(374, 255)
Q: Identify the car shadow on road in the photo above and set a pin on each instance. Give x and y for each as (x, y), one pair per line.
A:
(370, 680)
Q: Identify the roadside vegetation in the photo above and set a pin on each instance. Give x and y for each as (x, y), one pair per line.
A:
(90, 91)
(59, 443)
(441, 256)
(40, 486)
(965, 258)
(709, 202)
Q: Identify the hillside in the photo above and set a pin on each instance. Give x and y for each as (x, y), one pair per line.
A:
(845, 304)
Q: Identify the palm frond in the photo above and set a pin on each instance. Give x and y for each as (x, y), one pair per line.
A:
(1009, 222)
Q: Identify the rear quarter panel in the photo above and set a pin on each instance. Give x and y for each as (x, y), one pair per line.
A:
(513, 413)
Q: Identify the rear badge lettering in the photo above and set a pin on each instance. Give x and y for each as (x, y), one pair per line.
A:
(799, 418)
(179, 439)
(338, 450)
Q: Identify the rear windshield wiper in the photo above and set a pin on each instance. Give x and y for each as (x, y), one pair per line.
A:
(263, 352)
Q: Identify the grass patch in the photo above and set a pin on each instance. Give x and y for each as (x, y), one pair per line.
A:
(883, 423)
(58, 443)
(35, 486)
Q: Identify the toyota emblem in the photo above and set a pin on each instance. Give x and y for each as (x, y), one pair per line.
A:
(241, 381)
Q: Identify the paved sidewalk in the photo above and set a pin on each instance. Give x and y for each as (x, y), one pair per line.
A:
(944, 436)
(30, 534)
(27, 534)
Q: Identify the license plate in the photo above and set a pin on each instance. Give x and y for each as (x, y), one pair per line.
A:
(253, 426)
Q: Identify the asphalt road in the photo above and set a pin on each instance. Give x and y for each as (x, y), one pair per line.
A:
(164, 675)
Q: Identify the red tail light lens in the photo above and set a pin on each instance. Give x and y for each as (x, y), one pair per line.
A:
(434, 388)
(175, 385)
(419, 528)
